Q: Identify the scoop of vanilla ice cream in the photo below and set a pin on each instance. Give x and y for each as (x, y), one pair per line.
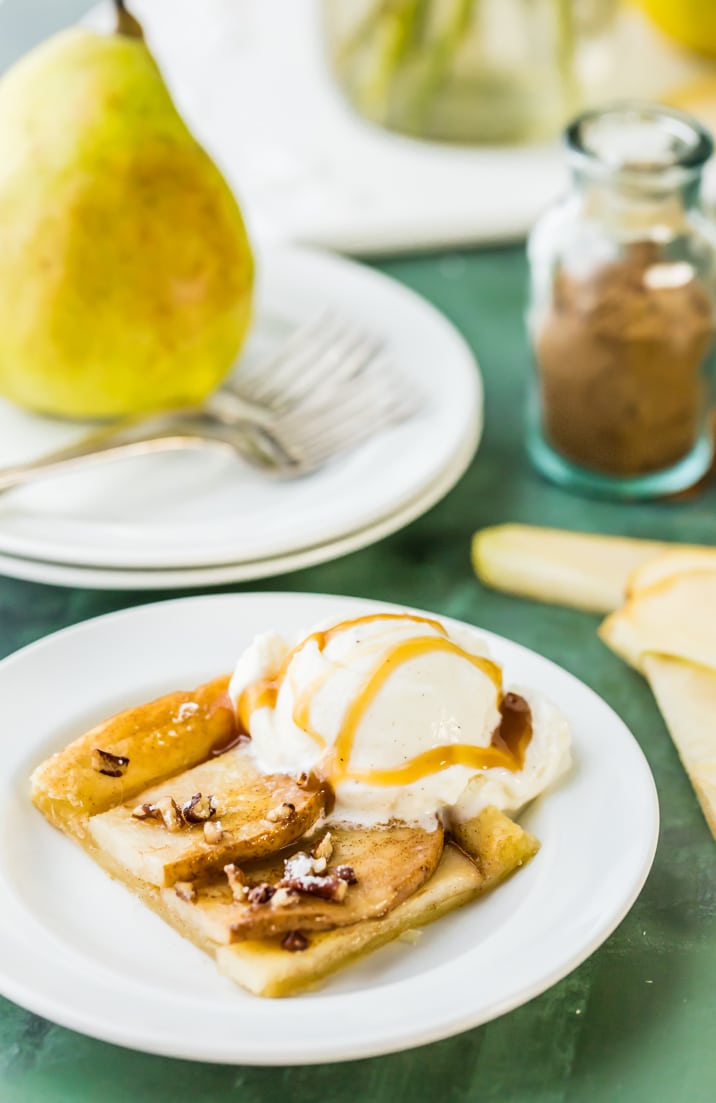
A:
(359, 701)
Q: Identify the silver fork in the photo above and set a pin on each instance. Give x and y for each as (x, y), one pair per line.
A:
(326, 390)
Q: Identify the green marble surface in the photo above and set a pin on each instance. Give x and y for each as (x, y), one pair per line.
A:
(637, 1021)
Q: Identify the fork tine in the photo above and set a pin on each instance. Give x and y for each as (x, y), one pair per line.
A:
(323, 354)
(315, 454)
(374, 386)
(342, 426)
(329, 388)
(271, 381)
(255, 382)
(339, 365)
(325, 369)
(288, 376)
(330, 431)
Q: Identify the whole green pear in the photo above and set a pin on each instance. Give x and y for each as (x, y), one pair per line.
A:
(125, 270)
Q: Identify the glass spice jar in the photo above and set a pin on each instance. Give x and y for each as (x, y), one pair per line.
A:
(622, 309)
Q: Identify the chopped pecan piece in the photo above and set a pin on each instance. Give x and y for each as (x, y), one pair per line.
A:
(213, 832)
(185, 891)
(111, 765)
(168, 809)
(237, 882)
(261, 894)
(199, 809)
(284, 898)
(281, 812)
(146, 812)
(294, 942)
(347, 874)
(325, 848)
(327, 888)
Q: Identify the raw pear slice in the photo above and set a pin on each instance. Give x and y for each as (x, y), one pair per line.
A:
(266, 969)
(655, 571)
(686, 696)
(158, 739)
(256, 815)
(564, 568)
(675, 617)
(389, 863)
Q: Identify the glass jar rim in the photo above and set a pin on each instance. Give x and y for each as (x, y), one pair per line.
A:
(675, 145)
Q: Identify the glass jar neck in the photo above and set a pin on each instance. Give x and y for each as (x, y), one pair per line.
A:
(634, 210)
(638, 167)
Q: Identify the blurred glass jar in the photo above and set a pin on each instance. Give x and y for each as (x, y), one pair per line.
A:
(623, 302)
(469, 71)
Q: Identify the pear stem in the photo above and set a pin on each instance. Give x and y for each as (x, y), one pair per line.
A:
(126, 23)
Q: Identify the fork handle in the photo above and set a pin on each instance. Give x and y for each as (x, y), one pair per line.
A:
(113, 442)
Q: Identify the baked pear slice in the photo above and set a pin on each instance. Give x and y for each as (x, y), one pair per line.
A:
(267, 968)
(238, 814)
(361, 873)
(119, 758)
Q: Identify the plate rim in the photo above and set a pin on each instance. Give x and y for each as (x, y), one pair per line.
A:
(61, 574)
(402, 1038)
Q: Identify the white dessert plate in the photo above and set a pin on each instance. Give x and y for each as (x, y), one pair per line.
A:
(204, 509)
(98, 578)
(77, 948)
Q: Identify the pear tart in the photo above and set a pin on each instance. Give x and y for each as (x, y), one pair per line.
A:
(222, 811)
(166, 797)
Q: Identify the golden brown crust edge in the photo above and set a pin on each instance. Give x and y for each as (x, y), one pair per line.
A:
(266, 970)
(160, 739)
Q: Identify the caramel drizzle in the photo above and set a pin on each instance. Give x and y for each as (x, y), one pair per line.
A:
(422, 764)
(264, 692)
(434, 760)
(508, 744)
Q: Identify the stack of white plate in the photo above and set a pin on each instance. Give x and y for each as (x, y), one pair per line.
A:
(199, 519)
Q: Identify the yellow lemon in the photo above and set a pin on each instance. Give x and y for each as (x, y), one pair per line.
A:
(690, 22)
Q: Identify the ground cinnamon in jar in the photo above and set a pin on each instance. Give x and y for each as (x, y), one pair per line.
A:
(620, 353)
